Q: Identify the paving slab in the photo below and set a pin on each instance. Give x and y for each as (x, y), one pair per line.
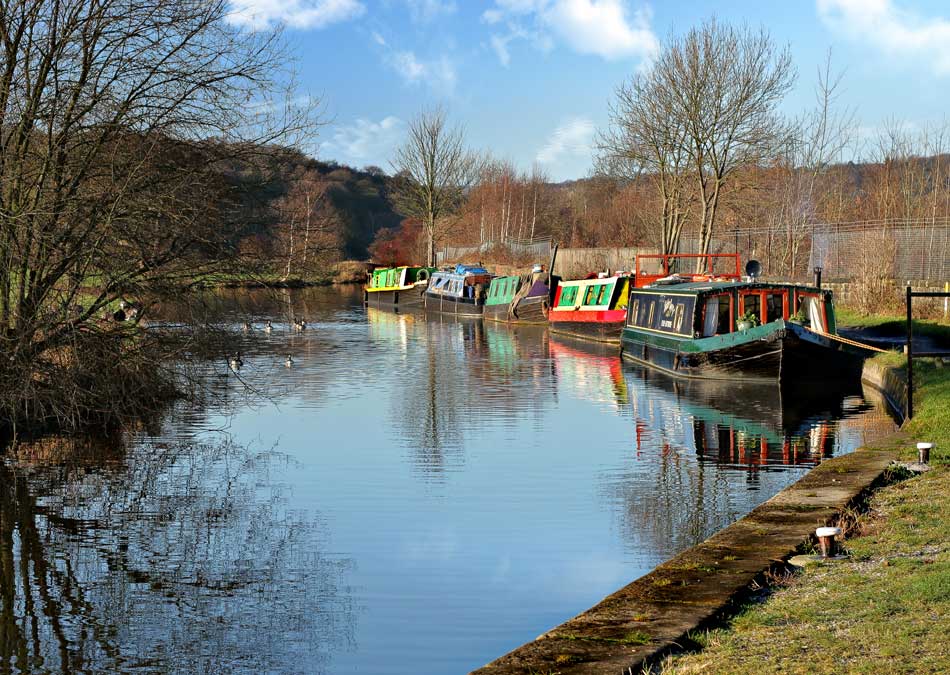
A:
(654, 614)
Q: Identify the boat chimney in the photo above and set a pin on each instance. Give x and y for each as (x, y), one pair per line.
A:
(817, 277)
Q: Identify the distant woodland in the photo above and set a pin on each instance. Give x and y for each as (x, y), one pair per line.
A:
(354, 216)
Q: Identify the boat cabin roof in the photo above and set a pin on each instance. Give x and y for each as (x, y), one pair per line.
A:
(706, 287)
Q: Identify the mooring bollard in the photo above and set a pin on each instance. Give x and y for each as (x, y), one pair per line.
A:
(826, 541)
(923, 452)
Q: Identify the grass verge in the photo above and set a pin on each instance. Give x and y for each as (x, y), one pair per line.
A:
(890, 324)
(887, 609)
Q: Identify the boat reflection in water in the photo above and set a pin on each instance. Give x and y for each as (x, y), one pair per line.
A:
(592, 370)
(750, 425)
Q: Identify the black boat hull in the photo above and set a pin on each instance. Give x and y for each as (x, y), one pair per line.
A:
(405, 299)
(787, 354)
(447, 304)
(528, 310)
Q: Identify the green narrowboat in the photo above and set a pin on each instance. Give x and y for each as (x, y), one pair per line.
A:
(746, 330)
(397, 287)
(519, 299)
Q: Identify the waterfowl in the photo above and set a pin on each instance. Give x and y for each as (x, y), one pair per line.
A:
(300, 325)
(246, 326)
(268, 327)
(235, 362)
(290, 361)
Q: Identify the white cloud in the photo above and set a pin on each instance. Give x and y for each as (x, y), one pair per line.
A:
(500, 44)
(423, 11)
(570, 142)
(408, 66)
(899, 32)
(604, 28)
(438, 73)
(260, 14)
(492, 16)
(379, 39)
(364, 142)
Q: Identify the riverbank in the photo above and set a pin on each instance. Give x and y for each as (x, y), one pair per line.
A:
(344, 272)
(887, 606)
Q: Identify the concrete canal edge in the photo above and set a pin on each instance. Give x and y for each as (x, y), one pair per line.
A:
(655, 614)
(891, 383)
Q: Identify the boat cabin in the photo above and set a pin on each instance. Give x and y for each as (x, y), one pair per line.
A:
(460, 282)
(503, 290)
(397, 278)
(700, 310)
(608, 293)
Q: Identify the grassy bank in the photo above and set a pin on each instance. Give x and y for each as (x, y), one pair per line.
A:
(344, 272)
(886, 610)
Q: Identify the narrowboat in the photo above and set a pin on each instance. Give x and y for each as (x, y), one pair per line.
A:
(747, 330)
(591, 309)
(395, 287)
(459, 290)
(519, 299)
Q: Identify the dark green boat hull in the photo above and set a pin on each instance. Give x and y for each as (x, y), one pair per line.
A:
(778, 351)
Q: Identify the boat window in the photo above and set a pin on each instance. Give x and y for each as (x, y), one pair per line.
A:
(711, 317)
(751, 303)
(718, 316)
(809, 312)
(650, 315)
(600, 294)
(774, 307)
(589, 296)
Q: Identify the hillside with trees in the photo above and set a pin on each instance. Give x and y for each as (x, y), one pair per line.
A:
(295, 216)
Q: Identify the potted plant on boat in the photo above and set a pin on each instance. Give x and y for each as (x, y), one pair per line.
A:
(747, 321)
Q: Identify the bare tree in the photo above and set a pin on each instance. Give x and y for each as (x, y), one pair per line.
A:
(817, 141)
(722, 86)
(647, 141)
(307, 231)
(117, 120)
(434, 170)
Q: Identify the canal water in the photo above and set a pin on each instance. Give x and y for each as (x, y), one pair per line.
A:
(411, 495)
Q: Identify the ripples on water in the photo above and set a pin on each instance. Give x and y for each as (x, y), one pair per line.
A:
(411, 496)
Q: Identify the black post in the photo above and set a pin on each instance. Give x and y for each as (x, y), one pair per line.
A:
(910, 356)
(817, 277)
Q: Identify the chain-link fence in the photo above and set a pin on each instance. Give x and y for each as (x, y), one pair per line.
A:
(898, 250)
(536, 250)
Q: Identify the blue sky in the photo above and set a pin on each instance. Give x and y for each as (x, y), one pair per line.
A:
(531, 80)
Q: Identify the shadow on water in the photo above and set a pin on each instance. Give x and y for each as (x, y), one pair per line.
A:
(177, 557)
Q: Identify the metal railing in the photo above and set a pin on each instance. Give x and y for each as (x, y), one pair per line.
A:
(911, 294)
